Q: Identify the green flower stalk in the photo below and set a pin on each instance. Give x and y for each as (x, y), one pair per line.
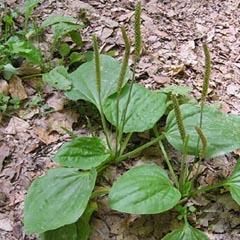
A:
(206, 74)
(97, 65)
(137, 51)
(125, 59)
(137, 31)
(203, 140)
(98, 85)
(205, 83)
(120, 83)
(179, 118)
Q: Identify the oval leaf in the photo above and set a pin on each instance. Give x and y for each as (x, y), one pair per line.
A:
(83, 152)
(144, 110)
(222, 131)
(51, 20)
(58, 78)
(144, 190)
(84, 80)
(233, 183)
(77, 231)
(61, 29)
(83, 225)
(186, 233)
(67, 232)
(57, 199)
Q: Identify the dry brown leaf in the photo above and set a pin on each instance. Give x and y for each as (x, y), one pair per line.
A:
(177, 70)
(233, 89)
(59, 120)
(5, 224)
(16, 125)
(46, 136)
(4, 152)
(16, 88)
(102, 230)
(56, 101)
(10, 2)
(161, 79)
(106, 33)
(187, 55)
(27, 69)
(4, 87)
(28, 113)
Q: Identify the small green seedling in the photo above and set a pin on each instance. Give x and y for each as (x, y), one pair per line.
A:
(8, 105)
(59, 205)
(63, 26)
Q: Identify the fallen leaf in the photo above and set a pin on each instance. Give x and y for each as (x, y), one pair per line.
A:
(4, 87)
(16, 88)
(58, 121)
(4, 152)
(28, 113)
(3, 199)
(10, 2)
(106, 33)
(233, 89)
(46, 136)
(6, 225)
(16, 125)
(161, 79)
(187, 55)
(27, 69)
(56, 101)
(176, 70)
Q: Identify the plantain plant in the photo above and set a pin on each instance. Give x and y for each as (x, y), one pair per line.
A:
(59, 205)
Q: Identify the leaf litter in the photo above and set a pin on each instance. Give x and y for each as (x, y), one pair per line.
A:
(173, 31)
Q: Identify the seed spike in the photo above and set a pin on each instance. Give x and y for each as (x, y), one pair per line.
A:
(179, 118)
(125, 59)
(206, 74)
(97, 64)
(203, 139)
(137, 30)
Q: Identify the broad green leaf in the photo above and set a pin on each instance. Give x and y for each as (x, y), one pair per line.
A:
(8, 71)
(187, 232)
(64, 49)
(58, 78)
(67, 232)
(51, 20)
(76, 57)
(177, 90)
(24, 49)
(76, 231)
(84, 228)
(76, 37)
(29, 6)
(222, 131)
(83, 153)
(144, 189)
(74, 94)
(144, 110)
(61, 29)
(84, 80)
(233, 183)
(57, 199)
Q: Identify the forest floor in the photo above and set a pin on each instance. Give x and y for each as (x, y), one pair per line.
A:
(173, 32)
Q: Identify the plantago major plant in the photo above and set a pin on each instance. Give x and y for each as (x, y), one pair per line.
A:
(59, 204)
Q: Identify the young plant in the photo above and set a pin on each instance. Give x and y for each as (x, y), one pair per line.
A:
(15, 44)
(59, 205)
(8, 105)
(63, 26)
